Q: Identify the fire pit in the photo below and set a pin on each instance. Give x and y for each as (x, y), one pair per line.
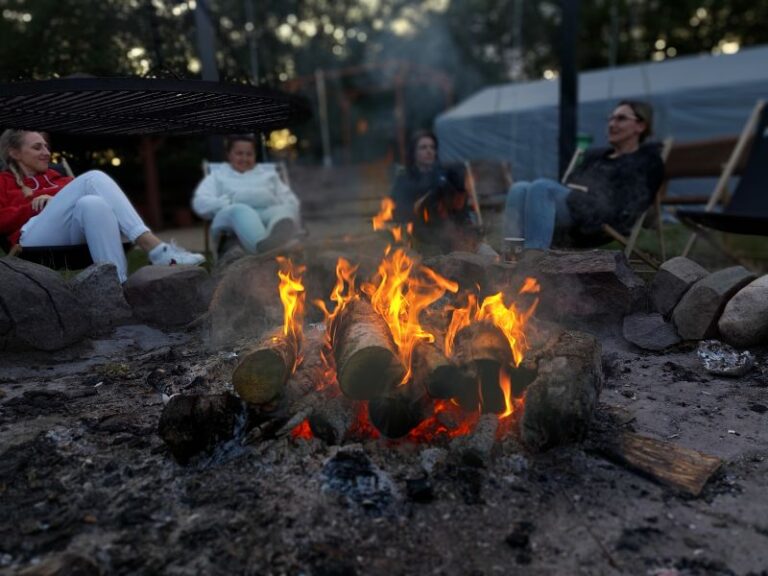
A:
(406, 354)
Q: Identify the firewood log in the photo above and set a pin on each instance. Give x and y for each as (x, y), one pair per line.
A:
(366, 361)
(196, 423)
(442, 378)
(476, 448)
(399, 411)
(293, 404)
(264, 368)
(482, 350)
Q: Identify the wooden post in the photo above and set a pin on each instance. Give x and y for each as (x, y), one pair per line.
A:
(154, 213)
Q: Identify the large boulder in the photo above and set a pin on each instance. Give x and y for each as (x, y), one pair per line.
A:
(246, 301)
(561, 399)
(98, 288)
(592, 289)
(745, 318)
(167, 295)
(37, 308)
(696, 315)
(673, 279)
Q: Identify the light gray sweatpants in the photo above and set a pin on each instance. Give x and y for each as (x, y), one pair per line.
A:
(91, 209)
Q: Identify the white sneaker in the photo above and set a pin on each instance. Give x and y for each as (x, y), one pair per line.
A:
(168, 254)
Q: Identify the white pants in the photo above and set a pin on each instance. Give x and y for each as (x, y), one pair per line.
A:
(250, 225)
(91, 209)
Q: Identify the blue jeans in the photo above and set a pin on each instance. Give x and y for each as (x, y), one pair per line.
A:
(534, 209)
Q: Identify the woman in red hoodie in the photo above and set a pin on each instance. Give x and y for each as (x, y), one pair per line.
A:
(40, 207)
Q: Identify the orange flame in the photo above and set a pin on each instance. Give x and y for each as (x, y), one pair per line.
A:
(509, 320)
(400, 297)
(292, 296)
(434, 428)
(343, 293)
(505, 383)
(385, 214)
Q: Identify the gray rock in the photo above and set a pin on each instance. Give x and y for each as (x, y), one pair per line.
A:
(559, 403)
(699, 309)
(745, 319)
(99, 290)
(38, 309)
(673, 279)
(650, 332)
(167, 295)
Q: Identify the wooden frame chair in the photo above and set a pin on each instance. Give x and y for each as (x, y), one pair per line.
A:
(208, 167)
(746, 211)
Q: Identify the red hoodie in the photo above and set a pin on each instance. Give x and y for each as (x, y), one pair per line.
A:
(15, 208)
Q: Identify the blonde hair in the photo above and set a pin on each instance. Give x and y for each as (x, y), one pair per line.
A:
(12, 139)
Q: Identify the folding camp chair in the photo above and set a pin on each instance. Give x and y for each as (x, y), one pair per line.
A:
(74, 257)
(211, 167)
(747, 210)
(653, 212)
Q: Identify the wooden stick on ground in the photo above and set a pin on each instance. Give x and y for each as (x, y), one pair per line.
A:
(682, 468)
(366, 361)
(264, 368)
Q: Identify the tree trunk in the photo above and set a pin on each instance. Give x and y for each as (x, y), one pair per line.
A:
(442, 378)
(366, 360)
(264, 368)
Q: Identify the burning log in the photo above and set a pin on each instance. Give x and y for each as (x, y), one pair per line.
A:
(442, 378)
(264, 368)
(366, 361)
(399, 411)
(483, 351)
(293, 404)
(195, 423)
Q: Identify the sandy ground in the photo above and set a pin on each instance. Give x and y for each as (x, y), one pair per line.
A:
(83, 470)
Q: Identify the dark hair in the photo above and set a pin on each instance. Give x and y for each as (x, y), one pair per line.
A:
(410, 161)
(644, 112)
(230, 140)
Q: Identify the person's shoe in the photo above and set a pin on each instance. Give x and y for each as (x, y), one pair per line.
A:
(168, 254)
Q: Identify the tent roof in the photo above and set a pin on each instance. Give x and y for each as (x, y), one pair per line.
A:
(650, 79)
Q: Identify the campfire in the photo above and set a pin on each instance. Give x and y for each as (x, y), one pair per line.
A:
(401, 354)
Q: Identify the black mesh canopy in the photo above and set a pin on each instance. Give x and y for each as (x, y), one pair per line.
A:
(143, 106)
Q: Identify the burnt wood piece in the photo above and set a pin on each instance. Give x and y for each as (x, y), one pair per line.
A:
(483, 351)
(400, 410)
(294, 403)
(331, 417)
(560, 401)
(442, 378)
(366, 361)
(476, 448)
(264, 368)
(665, 462)
(197, 423)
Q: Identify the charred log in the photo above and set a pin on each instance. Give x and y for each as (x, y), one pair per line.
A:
(197, 423)
(264, 368)
(483, 351)
(331, 418)
(476, 449)
(399, 411)
(366, 362)
(442, 378)
(560, 401)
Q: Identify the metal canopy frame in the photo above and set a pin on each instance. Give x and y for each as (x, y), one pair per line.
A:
(146, 106)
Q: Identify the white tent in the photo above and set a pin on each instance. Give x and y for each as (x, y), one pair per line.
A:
(693, 97)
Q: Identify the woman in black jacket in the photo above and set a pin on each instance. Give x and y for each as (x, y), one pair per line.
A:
(611, 186)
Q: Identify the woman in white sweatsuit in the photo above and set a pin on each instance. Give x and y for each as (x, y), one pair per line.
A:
(248, 200)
